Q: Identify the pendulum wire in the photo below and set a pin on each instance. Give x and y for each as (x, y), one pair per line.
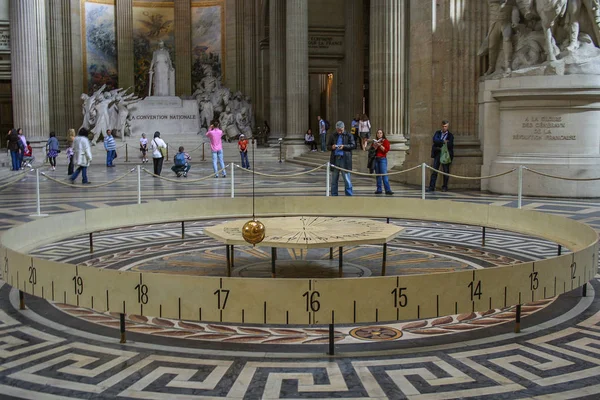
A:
(253, 166)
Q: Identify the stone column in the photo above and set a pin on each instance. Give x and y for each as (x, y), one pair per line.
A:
(29, 58)
(354, 62)
(125, 59)
(60, 63)
(183, 48)
(388, 75)
(296, 75)
(443, 83)
(250, 49)
(277, 58)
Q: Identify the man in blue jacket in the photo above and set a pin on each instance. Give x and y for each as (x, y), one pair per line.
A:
(439, 138)
(341, 145)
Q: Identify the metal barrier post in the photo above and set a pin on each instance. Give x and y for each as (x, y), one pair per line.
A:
(122, 328)
(518, 319)
(139, 171)
(331, 339)
(327, 179)
(126, 153)
(203, 143)
(423, 179)
(21, 300)
(520, 188)
(167, 159)
(232, 181)
(37, 193)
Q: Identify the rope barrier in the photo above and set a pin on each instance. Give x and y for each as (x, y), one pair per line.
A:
(564, 178)
(15, 178)
(284, 175)
(190, 151)
(90, 186)
(375, 175)
(472, 177)
(187, 180)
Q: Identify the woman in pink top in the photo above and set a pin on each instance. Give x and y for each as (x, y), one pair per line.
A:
(214, 134)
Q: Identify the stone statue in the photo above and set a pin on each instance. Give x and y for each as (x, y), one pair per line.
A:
(504, 15)
(88, 108)
(227, 121)
(122, 105)
(209, 83)
(162, 73)
(206, 111)
(102, 116)
(242, 121)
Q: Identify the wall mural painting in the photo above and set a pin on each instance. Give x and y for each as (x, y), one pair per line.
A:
(100, 45)
(153, 21)
(207, 39)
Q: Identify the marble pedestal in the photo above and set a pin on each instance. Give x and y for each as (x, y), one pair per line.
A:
(546, 123)
(167, 114)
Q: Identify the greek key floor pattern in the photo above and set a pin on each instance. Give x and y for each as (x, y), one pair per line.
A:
(48, 352)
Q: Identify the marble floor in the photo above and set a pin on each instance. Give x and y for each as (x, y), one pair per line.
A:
(51, 351)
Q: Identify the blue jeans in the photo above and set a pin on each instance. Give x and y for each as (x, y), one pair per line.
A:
(14, 157)
(245, 163)
(381, 168)
(110, 156)
(323, 141)
(218, 155)
(84, 178)
(181, 168)
(335, 176)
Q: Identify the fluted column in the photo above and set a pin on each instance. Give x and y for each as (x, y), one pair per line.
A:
(183, 48)
(296, 71)
(29, 59)
(277, 62)
(60, 64)
(125, 59)
(354, 62)
(388, 75)
(250, 49)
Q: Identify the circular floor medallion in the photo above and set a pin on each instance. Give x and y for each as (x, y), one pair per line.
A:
(376, 333)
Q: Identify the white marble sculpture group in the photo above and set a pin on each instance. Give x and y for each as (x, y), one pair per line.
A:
(542, 37)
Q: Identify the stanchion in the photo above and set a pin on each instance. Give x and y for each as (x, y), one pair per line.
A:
(167, 159)
(483, 236)
(423, 179)
(182, 230)
(122, 327)
(203, 143)
(91, 242)
(331, 340)
(518, 319)
(37, 192)
(232, 181)
(584, 290)
(520, 188)
(327, 179)
(21, 300)
(126, 153)
(280, 141)
(139, 171)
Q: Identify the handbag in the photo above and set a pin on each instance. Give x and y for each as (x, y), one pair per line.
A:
(163, 150)
(445, 155)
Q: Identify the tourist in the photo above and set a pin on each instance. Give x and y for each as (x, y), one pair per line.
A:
(22, 144)
(309, 140)
(364, 130)
(354, 128)
(144, 148)
(28, 157)
(341, 146)
(243, 147)
(382, 146)
(441, 137)
(111, 148)
(322, 133)
(214, 134)
(82, 154)
(13, 145)
(181, 165)
(69, 153)
(159, 150)
(52, 150)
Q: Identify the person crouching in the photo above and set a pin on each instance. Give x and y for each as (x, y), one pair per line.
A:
(181, 165)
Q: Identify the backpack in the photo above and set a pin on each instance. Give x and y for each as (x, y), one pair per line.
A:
(179, 159)
(327, 126)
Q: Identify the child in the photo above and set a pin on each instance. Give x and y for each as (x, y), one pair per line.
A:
(70, 158)
(144, 148)
(243, 146)
(181, 164)
(27, 156)
(52, 150)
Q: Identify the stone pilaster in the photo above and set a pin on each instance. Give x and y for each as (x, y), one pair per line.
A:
(444, 75)
(250, 49)
(388, 75)
(60, 63)
(261, 102)
(125, 58)
(183, 48)
(277, 63)
(296, 74)
(354, 61)
(29, 58)
(77, 86)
